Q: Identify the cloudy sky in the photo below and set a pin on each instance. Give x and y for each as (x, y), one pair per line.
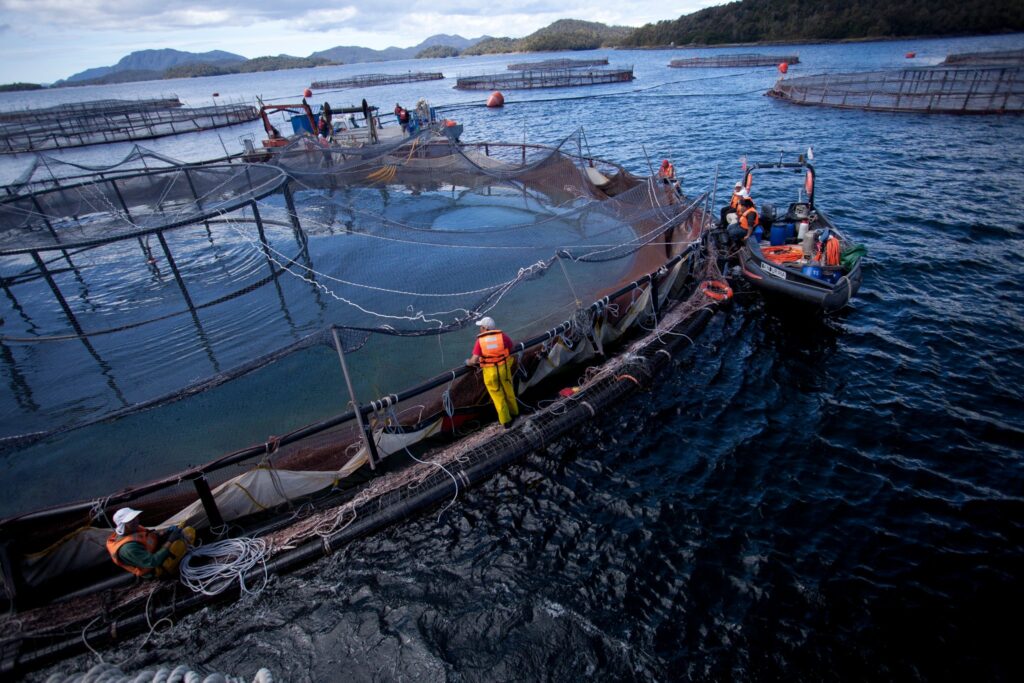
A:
(45, 40)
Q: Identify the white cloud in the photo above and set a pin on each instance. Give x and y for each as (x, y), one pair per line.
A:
(76, 34)
(325, 20)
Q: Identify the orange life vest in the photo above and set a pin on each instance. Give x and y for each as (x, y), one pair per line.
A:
(667, 171)
(492, 348)
(142, 535)
(735, 203)
(746, 221)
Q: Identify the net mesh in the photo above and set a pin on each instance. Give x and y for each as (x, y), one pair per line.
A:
(959, 90)
(226, 319)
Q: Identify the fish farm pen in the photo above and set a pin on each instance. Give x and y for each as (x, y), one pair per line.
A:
(370, 80)
(112, 121)
(260, 280)
(556, 64)
(734, 60)
(545, 78)
(46, 171)
(986, 58)
(937, 90)
(89, 108)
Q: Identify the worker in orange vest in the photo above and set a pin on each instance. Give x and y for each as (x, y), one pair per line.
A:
(747, 219)
(748, 216)
(143, 552)
(667, 173)
(493, 353)
(738, 192)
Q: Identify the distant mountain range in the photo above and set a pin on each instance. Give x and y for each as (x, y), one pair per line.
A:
(356, 55)
(156, 61)
(156, 64)
(747, 21)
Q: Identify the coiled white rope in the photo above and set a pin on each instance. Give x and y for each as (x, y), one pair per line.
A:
(110, 673)
(230, 559)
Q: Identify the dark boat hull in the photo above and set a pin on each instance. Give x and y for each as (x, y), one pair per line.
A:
(796, 286)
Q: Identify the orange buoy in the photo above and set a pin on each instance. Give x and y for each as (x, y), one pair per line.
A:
(911, 55)
(307, 93)
(783, 67)
(496, 100)
(809, 183)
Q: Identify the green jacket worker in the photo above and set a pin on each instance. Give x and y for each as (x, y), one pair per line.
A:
(143, 552)
(493, 353)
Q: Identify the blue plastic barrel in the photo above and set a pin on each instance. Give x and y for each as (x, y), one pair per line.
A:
(790, 230)
(778, 235)
(812, 271)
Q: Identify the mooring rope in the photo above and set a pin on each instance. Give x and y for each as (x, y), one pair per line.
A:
(230, 559)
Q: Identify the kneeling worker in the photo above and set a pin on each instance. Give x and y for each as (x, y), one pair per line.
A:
(493, 353)
(143, 552)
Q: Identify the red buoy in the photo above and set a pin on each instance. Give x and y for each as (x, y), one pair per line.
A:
(307, 93)
(911, 55)
(496, 100)
(783, 67)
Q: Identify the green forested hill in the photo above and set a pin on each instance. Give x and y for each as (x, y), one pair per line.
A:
(564, 34)
(752, 21)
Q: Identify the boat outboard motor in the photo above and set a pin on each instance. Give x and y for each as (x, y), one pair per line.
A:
(768, 216)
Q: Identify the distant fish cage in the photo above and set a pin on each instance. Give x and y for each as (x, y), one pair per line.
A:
(556, 64)
(545, 78)
(44, 129)
(986, 58)
(370, 80)
(734, 60)
(90, 108)
(949, 90)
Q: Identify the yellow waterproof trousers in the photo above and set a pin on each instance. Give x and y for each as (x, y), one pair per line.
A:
(498, 380)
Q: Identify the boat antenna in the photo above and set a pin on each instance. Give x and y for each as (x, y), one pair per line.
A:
(714, 187)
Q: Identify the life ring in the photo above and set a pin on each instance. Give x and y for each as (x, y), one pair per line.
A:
(716, 290)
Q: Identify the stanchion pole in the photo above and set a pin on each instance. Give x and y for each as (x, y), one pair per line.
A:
(371, 447)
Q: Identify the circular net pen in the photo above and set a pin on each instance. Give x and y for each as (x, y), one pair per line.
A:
(373, 80)
(24, 132)
(315, 325)
(546, 78)
(734, 61)
(90, 108)
(556, 64)
(929, 90)
(986, 58)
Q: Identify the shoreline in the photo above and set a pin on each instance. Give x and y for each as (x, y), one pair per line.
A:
(817, 41)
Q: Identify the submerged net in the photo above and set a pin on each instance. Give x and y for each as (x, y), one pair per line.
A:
(222, 325)
(46, 172)
(954, 90)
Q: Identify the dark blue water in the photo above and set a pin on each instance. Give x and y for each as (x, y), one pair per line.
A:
(793, 500)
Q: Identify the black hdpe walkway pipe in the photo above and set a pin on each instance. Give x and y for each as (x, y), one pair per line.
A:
(511, 446)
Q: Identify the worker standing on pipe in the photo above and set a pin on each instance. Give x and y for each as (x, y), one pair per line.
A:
(493, 353)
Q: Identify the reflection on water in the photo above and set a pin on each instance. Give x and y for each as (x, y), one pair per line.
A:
(793, 501)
